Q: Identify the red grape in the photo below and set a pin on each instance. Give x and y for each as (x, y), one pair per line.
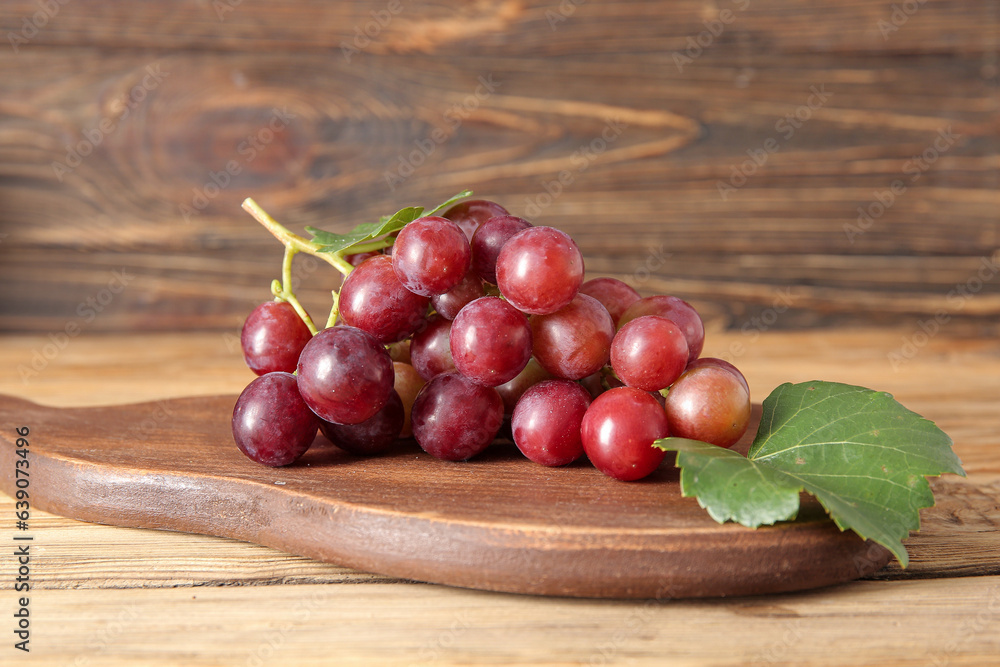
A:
(488, 241)
(345, 376)
(407, 384)
(511, 391)
(358, 258)
(539, 270)
(709, 404)
(720, 363)
(618, 433)
(454, 418)
(649, 353)
(271, 423)
(430, 350)
(678, 311)
(490, 341)
(546, 422)
(373, 300)
(374, 435)
(574, 341)
(470, 214)
(431, 255)
(273, 337)
(613, 294)
(451, 302)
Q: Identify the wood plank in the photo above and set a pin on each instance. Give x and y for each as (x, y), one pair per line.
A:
(958, 538)
(951, 380)
(652, 195)
(539, 27)
(887, 623)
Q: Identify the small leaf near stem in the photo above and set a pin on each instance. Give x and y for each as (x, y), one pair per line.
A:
(292, 240)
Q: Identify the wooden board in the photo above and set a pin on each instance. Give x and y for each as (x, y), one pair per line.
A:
(498, 522)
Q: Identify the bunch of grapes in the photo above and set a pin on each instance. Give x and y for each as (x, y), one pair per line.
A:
(456, 324)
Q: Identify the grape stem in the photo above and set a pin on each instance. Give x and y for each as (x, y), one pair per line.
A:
(296, 242)
(282, 289)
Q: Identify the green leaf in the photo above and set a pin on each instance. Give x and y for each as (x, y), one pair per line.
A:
(864, 456)
(446, 204)
(367, 231)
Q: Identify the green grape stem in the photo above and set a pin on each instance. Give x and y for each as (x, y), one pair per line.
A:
(295, 244)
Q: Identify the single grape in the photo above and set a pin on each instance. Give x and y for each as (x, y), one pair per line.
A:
(546, 422)
(511, 391)
(273, 337)
(575, 340)
(458, 297)
(618, 433)
(678, 311)
(489, 239)
(357, 258)
(470, 214)
(720, 363)
(430, 350)
(407, 384)
(373, 300)
(399, 351)
(709, 404)
(374, 435)
(613, 294)
(345, 376)
(271, 423)
(454, 418)
(431, 255)
(539, 270)
(490, 341)
(649, 353)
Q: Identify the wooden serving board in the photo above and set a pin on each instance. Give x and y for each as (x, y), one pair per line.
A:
(498, 522)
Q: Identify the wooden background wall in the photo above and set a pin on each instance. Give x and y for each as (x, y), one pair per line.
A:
(114, 117)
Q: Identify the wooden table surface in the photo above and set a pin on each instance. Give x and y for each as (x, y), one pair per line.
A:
(116, 596)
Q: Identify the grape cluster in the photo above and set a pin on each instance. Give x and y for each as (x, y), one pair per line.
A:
(474, 318)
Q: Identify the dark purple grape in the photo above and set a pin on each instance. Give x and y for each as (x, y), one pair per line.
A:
(680, 312)
(430, 350)
(546, 422)
(511, 391)
(431, 255)
(613, 294)
(490, 341)
(458, 297)
(539, 270)
(454, 418)
(649, 353)
(709, 404)
(373, 300)
(407, 384)
(574, 341)
(271, 423)
(345, 375)
(489, 239)
(374, 435)
(618, 433)
(273, 337)
(470, 214)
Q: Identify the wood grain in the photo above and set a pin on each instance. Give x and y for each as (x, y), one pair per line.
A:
(888, 623)
(644, 206)
(117, 596)
(498, 522)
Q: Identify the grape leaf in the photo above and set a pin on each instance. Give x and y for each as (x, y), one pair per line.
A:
(864, 456)
(367, 231)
